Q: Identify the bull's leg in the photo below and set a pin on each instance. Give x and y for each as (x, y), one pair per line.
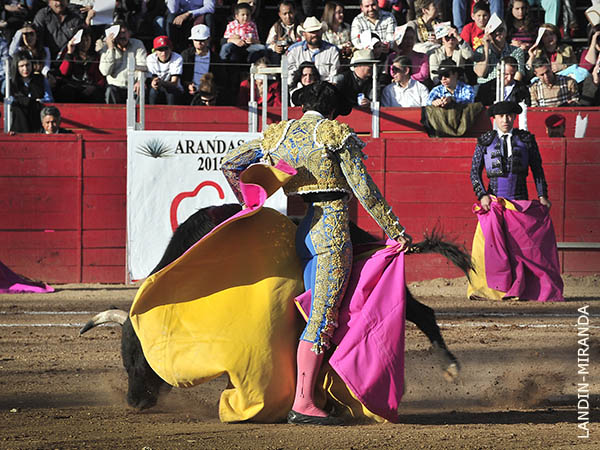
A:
(424, 318)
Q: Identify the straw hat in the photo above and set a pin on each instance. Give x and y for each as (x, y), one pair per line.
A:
(363, 56)
(312, 24)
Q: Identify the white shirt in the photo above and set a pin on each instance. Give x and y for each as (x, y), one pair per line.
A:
(414, 95)
(164, 70)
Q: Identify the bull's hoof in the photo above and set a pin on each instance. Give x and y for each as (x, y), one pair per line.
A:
(451, 372)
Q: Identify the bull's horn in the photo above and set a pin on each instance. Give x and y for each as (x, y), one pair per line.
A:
(111, 315)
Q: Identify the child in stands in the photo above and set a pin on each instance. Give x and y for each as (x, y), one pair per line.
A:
(473, 32)
(243, 44)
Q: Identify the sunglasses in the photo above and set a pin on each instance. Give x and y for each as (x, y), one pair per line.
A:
(161, 49)
(448, 38)
(396, 69)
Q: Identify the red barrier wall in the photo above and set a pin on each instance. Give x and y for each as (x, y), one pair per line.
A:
(110, 119)
(63, 200)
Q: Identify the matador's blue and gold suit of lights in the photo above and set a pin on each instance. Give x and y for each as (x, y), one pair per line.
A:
(328, 158)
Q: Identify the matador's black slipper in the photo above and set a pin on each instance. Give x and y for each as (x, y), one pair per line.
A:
(303, 419)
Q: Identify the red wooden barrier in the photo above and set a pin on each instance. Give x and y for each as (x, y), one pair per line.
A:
(110, 119)
(63, 200)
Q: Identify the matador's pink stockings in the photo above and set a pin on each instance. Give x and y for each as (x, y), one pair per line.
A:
(309, 364)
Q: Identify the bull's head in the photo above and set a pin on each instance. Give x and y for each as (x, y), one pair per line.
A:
(144, 385)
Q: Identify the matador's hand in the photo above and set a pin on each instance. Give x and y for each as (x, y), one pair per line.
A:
(405, 241)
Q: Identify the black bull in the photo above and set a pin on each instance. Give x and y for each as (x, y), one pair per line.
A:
(145, 385)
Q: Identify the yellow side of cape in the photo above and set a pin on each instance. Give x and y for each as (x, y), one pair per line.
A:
(226, 306)
(478, 286)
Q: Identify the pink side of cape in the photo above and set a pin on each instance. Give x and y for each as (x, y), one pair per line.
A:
(521, 257)
(12, 283)
(370, 338)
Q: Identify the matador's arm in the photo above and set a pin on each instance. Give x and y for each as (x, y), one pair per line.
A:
(237, 160)
(366, 191)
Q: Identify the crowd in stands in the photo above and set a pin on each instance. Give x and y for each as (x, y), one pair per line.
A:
(428, 52)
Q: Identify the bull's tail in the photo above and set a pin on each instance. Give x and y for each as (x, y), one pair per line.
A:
(434, 243)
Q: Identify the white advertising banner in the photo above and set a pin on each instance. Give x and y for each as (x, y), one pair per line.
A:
(171, 175)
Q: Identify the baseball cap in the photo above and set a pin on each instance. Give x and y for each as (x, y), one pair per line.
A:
(200, 32)
(161, 41)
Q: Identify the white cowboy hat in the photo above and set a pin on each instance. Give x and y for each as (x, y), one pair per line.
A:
(312, 24)
(363, 56)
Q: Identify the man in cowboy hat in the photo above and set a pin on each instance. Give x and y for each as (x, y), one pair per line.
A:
(507, 153)
(452, 90)
(313, 48)
(356, 84)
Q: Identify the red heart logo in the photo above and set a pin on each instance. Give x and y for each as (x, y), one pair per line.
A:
(179, 198)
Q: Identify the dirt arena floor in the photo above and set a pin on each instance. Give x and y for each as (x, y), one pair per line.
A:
(517, 388)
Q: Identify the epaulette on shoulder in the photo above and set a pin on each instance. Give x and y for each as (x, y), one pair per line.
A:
(524, 135)
(273, 135)
(333, 134)
(486, 138)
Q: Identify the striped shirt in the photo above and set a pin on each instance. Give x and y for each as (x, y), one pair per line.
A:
(563, 90)
(383, 28)
(462, 94)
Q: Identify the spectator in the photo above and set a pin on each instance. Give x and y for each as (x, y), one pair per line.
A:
(560, 55)
(3, 57)
(381, 23)
(356, 85)
(427, 13)
(555, 125)
(206, 93)
(81, 81)
(16, 13)
(58, 22)
(182, 15)
(198, 60)
(243, 44)
(306, 74)
(143, 17)
(404, 91)
(113, 63)
(451, 91)
(453, 47)
(495, 48)
(551, 9)
(420, 61)
(50, 117)
(26, 39)
(273, 89)
(473, 32)
(514, 90)
(28, 91)
(337, 31)
(313, 48)
(521, 28)
(591, 55)
(284, 32)
(164, 70)
(590, 89)
(459, 11)
(551, 89)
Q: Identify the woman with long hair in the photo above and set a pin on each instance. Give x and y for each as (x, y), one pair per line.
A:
(27, 39)
(82, 81)
(29, 90)
(521, 27)
(338, 31)
(591, 54)
(560, 55)
(307, 73)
